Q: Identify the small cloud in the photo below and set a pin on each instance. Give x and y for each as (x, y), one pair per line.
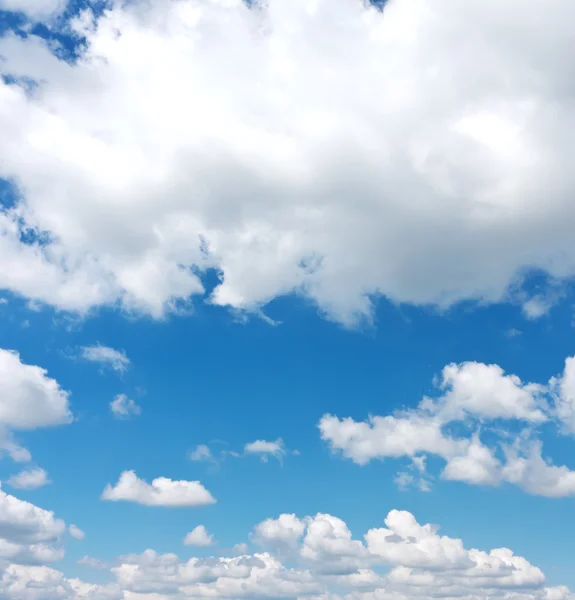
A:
(95, 563)
(202, 453)
(511, 333)
(106, 357)
(199, 537)
(29, 479)
(3, 301)
(161, 492)
(240, 549)
(123, 407)
(76, 532)
(403, 481)
(265, 449)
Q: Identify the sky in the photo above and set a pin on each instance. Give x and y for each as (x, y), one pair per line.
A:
(286, 300)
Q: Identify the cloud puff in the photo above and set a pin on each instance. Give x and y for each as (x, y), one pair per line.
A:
(265, 449)
(161, 492)
(76, 532)
(471, 394)
(29, 400)
(199, 537)
(29, 479)
(123, 407)
(107, 357)
(28, 534)
(139, 166)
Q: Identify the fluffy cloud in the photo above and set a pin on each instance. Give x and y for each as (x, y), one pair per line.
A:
(326, 563)
(28, 534)
(76, 532)
(106, 357)
(161, 492)
(265, 449)
(29, 399)
(138, 166)
(123, 407)
(29, 479)
(449, 427)
(199, 537)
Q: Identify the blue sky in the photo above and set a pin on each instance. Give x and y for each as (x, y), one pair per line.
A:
(240, 261)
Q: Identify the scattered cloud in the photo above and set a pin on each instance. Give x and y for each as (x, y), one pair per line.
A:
(29, 479)
(123, 407)
(199, 537)
(265, 450)
(28, 534)
(95, 563)
(471, 394)
(261, 448)
(161, 492)
(29, 400)
(106, 357)
(76, 532)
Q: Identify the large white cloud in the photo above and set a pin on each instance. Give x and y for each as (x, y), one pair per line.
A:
(449, 427)
(326, 148)
(161, 492)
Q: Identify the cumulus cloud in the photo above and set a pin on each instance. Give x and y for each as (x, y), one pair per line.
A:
(106, 357)
(283, 181)
(29, 400)
(200, 537)
(28, 534)
(265, 449)
(326, 562)
(470, 394)
(161, 492)
(123, 407)
(29, 479)
(76, 532)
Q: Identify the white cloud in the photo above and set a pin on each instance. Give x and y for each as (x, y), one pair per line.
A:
(449, 427)
(266, 449)
(326, 562)
(312, 184)
(199, 537)
(123, 407)
(76, 532)
(36, 9)
(107, 357)
(29, 479)
(202, 453)
(28, 534)
(161, 492)
(95, 563)
(29, 400)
